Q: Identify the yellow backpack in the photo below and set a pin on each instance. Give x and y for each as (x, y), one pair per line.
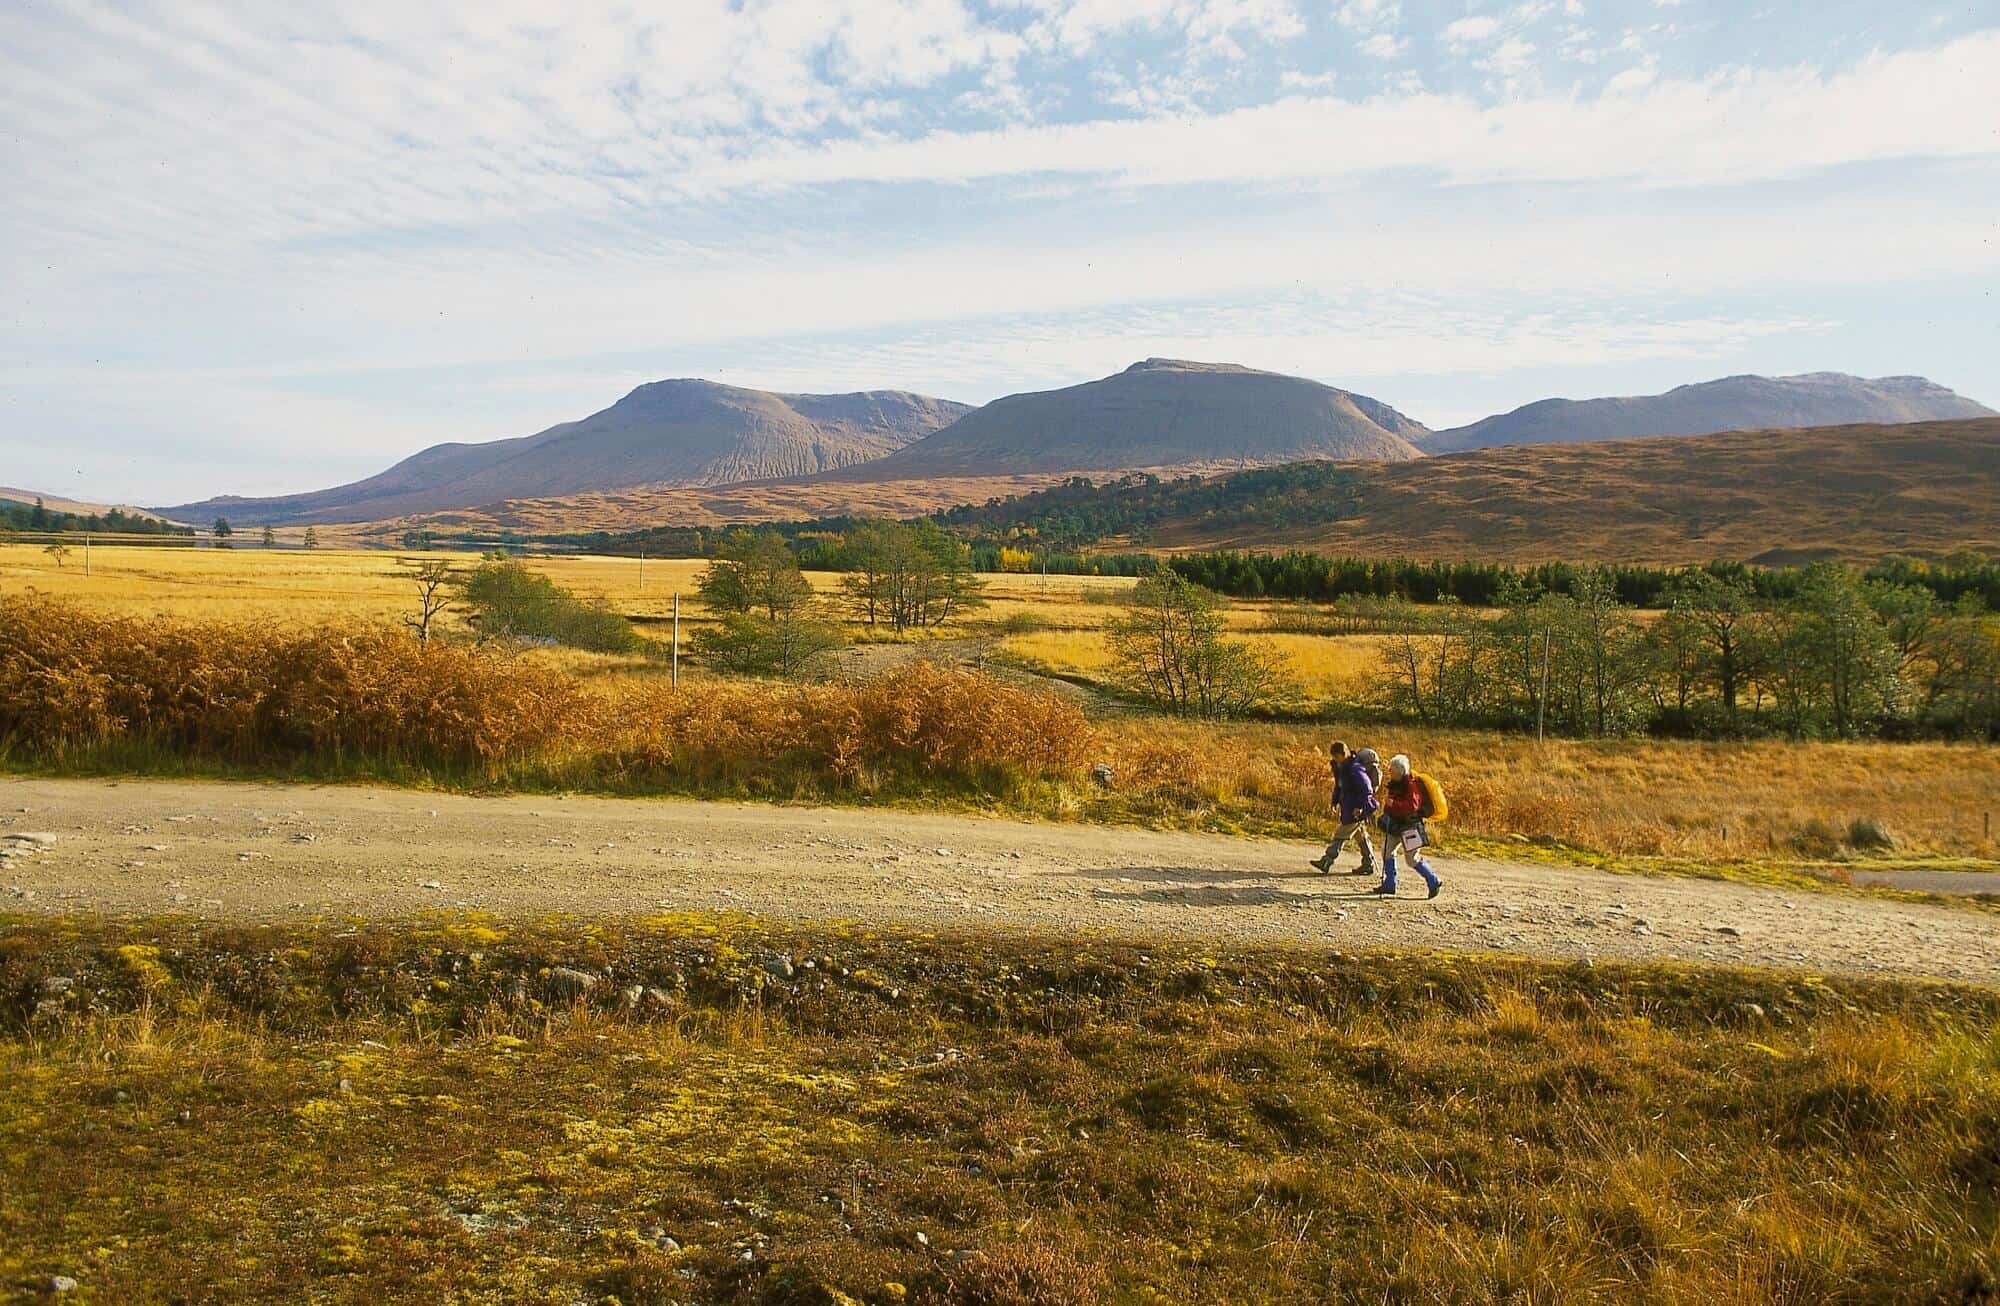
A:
(1437, 808)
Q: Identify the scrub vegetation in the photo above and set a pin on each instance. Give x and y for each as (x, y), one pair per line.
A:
(703, 1109)
(82, 692)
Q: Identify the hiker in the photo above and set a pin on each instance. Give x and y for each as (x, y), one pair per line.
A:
(1408, 800)
(1354, 802)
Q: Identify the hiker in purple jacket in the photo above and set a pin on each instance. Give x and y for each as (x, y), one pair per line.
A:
(1354, 802)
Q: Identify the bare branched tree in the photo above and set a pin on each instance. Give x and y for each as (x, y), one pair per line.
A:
(434, 579)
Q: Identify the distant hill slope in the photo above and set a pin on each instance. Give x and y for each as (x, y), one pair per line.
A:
(1853, 492)
(645, 506)
(1159, 413)
(1735, 403)
(682, 432)
(57, 503)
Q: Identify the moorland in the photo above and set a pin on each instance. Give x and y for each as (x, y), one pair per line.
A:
(289, 1083)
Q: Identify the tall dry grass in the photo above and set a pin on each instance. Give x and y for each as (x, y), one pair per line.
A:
(1633, 797)
(79, 689)
(75, 684)
(71, 679)
(917, 719)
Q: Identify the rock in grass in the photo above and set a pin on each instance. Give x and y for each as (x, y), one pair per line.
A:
(61, 1283)
(569, 982)
(780, 965)
(56, 986)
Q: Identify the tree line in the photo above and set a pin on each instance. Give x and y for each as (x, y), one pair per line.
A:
(39, 517)
(1054, 546)
(1840, 655)
(1080, 511)
(1314, 577)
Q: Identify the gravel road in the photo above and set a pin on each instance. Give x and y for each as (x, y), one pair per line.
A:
(248, 851)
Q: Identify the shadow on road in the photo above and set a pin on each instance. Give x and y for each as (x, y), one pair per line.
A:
(1187, 874)
(1220, 895)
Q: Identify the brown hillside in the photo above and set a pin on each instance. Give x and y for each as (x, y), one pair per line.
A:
(82, 508)
(675, 505)
(1853, 492)
(1162, 412)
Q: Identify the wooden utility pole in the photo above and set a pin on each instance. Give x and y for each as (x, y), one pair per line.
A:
(1542, 699)
(677, 639)
(642, 571)
(86, 553)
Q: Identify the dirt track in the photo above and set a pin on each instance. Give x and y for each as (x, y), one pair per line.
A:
(241, 851)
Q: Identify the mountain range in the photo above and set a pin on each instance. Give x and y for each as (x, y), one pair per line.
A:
(679, 432)
(1159, 414)
(1734, 403)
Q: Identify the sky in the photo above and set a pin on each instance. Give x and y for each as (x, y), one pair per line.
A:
(256, 248)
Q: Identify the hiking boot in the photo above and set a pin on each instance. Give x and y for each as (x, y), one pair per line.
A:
(1431, 890)
(1386, 890)
(1366, 868)
(1324, 865)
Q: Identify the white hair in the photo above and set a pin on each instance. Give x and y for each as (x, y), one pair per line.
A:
(1399, 765)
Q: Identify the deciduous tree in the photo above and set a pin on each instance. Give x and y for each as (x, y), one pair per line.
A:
(1170, 648)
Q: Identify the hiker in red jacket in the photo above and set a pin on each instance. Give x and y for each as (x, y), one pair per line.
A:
(1405, 805)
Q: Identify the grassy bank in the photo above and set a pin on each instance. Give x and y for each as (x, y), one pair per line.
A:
(702, 1109)
(83, 693)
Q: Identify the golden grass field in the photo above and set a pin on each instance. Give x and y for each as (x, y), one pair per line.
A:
(1628, 797)
(308, 586)
(1323, 668)
(249, 583)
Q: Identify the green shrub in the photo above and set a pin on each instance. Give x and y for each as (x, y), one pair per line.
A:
(511, 602)
(1866, 834)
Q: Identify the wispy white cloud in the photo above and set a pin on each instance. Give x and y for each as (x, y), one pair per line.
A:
(1732, 126)
(1367, 15)
(238, 227)
(1466, 31)
(1077, 25)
